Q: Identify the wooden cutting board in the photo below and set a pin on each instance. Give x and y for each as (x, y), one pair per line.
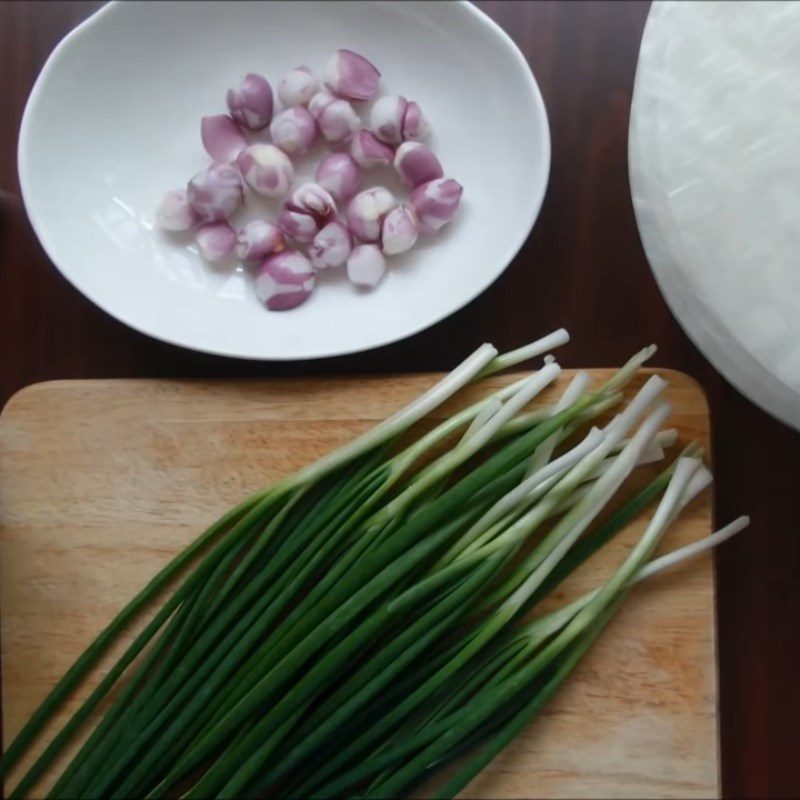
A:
(101, 482)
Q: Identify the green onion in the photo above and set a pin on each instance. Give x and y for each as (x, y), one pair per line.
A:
(380, 598)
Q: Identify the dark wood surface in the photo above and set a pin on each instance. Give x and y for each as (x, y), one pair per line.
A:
(583, 267)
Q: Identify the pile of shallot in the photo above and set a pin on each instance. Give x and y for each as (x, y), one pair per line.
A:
(330, 218)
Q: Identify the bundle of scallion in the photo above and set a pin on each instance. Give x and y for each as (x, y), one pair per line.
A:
(356, 627)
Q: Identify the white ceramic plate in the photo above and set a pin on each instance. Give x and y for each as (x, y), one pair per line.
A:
(113, 122)
(715, 179)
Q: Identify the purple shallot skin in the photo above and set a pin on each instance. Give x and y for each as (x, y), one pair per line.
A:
(175, 213)
(351, 76)
(251, 102)
(366, 266)
(259, 239)
(284, 281)
(294, 131)
(308, 209)
(386, 118)
(298, 87)
(415, 126)
(222, 138)
(399, 230)
(297, 225)
(394, 119)
(267, 169)
(340, 175)
(339, 122)
(416, 164)
(319, 102)
(331, 246)
(369, 151)
(366, 211)
(435, 203)
(215, 193)
(215, 241)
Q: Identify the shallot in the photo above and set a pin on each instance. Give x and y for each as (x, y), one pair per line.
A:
(339, 174)
(415, 126)
(222, 138)
(394, 119)
(435, 203)
(366, 265)
(350, 75)
(174, 212)
(318, 103)
(284, 280)
(336, 118)
(306, 212)
(416, 164)
(313, 199)
(267, 169)
(298, 87)
(259, 239)
(215, 241)
(366, 211)
(386, 118)
(215, 192)
(331, 247)
(298, 226)
(369, 151)
(399, 230)
(294, 130)
(251, 102)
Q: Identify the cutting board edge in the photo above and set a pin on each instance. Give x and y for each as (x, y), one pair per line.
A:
(22, 393)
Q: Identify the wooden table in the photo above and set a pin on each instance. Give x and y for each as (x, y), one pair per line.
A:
(583, 267)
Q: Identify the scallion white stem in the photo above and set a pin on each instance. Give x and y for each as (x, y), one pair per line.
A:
(546, 476)
(675, 557)
(403, 419)
(566, 532)
(544, 451)
(529, 351)
(527, 390)
(483, 416)
(542, 627)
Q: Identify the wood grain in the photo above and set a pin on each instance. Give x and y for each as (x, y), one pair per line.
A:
(101, 482)
(582, 267)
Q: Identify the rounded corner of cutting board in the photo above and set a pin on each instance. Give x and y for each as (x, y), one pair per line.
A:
(25, 394)
(687, 382)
